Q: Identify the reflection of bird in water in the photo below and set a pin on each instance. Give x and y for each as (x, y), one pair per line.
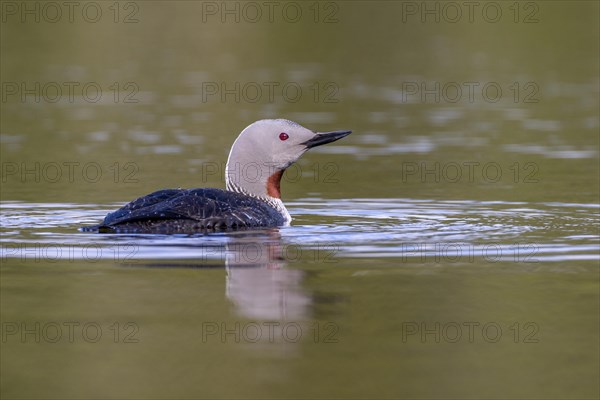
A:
(259, 285)
(257, 161)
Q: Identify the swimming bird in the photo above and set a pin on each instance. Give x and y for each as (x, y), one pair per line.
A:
(252, 199)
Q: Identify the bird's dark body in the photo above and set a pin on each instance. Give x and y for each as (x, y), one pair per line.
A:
(190, 211)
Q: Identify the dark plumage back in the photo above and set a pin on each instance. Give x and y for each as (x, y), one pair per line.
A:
(190, 211)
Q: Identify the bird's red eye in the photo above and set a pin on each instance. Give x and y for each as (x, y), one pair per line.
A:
(283, 136)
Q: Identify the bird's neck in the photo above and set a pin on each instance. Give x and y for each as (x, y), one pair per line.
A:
(261, 185)
(254, 179)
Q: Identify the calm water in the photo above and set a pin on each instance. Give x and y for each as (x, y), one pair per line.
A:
(448, 248)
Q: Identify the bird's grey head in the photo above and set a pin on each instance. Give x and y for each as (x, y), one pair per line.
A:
(263, 151)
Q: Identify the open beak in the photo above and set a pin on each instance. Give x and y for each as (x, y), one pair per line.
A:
(325, 137)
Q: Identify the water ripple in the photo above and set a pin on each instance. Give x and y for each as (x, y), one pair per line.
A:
(407, 230)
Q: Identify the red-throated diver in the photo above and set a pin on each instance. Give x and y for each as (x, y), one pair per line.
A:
(268, 147)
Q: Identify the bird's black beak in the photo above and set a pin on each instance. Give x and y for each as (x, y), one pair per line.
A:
(325, 137)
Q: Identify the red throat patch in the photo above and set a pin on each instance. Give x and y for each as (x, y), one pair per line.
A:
(273, 184)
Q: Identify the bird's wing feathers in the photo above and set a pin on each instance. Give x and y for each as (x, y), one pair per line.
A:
(145, 206)
(196, 207)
